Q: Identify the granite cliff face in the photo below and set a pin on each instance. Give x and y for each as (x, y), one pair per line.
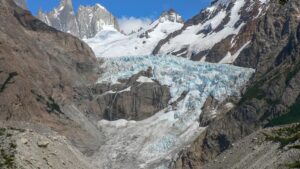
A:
(62, 18)
(86, 23)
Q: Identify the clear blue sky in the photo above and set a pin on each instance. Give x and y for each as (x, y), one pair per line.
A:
(136, 8)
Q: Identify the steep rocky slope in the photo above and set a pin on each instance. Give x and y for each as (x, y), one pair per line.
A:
(86, 23)
(274, 90)
(267, 148)
(39, 70)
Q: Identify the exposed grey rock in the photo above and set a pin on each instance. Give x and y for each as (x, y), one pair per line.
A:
(60, 153)
(171, 15)
(43, 143)
(86, 23)
(255, 152)
(130, 99)
(24, 140)
(212, 108)
(62, 18)
(92, 19)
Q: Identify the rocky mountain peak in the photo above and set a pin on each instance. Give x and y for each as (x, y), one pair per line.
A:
(171, 15)
(88, 21)
(66, 3)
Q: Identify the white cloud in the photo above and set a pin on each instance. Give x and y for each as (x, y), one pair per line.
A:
(129, 24)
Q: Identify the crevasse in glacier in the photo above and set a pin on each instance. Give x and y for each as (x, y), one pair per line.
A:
(155, 141)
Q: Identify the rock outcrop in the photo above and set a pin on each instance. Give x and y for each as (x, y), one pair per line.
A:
(131, 99)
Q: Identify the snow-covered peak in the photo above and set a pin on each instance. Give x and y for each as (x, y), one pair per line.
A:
(97, 6)
(171, 16)
(217, 32)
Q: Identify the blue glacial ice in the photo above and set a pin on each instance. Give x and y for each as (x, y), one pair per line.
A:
(159, 137)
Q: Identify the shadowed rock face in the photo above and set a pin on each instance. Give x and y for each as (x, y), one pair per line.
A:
(133, 100)
(129, 99)
(274, 89)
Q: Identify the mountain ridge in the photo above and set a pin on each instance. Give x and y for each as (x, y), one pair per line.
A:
(110, 43)
(223, 22)
(86, 23)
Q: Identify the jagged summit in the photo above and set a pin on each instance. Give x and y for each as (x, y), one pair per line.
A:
(86, 23)
(171, 15)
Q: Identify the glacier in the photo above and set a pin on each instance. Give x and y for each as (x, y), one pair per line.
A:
(155, 142)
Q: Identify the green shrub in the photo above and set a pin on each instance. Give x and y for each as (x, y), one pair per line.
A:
(283, 2)
(294, 165)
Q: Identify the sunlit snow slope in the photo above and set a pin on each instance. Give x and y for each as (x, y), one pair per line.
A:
(154, 142)
(111, 43)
